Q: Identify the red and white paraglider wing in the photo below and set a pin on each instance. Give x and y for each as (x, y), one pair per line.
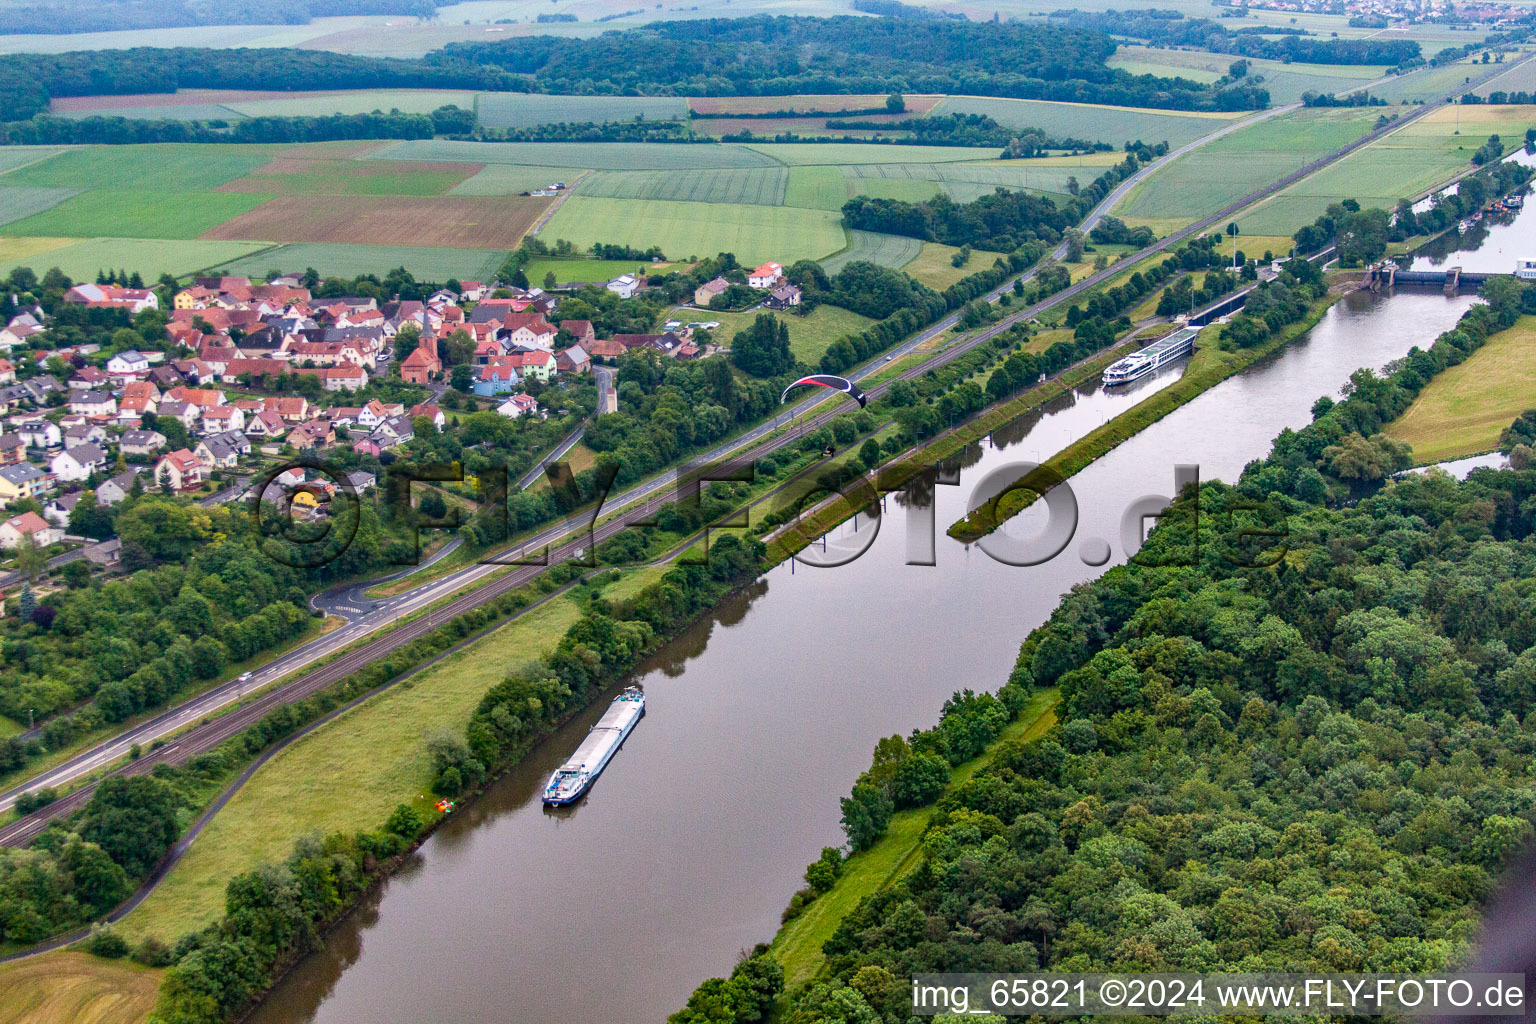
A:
(827, 380)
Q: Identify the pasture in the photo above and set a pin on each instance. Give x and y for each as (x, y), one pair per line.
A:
(332, 260)
(876, 247)
(756, 186)
(602, 156)
(473, 222)
(523, 110)
(82, 258)
(1464, 409)
(511, 179)
(686, 230)
(138, 214)
(1236, 164)
(76, 988)
(1114, 125)
(17, 203)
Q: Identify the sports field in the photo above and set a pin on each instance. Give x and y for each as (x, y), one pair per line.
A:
(887, 250)
(473, 222)
(1400, 165)
(1237, 164)
(1463, 410)
(1095, 123)
(688, 230)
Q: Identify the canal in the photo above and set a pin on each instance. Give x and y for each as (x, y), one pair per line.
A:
(760, 717)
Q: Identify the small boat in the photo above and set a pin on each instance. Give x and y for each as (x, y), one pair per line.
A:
(581, 769)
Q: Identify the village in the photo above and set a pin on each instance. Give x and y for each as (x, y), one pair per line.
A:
(254, 373)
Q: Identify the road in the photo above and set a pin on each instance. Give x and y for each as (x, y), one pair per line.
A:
(568, 537)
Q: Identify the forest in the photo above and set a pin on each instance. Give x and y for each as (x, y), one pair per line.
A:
(1294, 733)
(50, 16)
(1170, 28)
(783, 56)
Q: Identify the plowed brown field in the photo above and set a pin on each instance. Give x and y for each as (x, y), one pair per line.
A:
(471, 222)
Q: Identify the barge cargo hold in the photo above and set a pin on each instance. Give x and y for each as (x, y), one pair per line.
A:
(1138, 364)
(581, 769)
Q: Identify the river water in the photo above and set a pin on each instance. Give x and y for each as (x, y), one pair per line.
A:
(760, 717)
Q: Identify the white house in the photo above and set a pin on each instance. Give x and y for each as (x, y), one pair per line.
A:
(40, 434)
(28, 524)
(624, 286)
(128, 364)
(79, 462)
(93, 403)
(518, 405)
(766, 276)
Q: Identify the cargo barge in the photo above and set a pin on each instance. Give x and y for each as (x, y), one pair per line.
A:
(1138, 364)
(581, 769)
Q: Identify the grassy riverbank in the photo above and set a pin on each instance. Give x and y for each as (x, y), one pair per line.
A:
(797, 947)
(1210, 366)
(1463, 410)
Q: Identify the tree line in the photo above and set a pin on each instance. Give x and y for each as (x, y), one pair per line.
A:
(1171, 28)
(52, 16)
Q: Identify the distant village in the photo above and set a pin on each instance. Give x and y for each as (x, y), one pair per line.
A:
(1395, 13)
(236, 351)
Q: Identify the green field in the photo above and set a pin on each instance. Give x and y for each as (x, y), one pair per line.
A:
(887, 250)
(521, 110)
(337, 260)
(591, 271)
(1285, 82)
(1234, 165)
(151, 257)
(809, 336)
(965, 182)
(1427, 84)
(167, 112)
(609, 156)
(934, 266)
(512, 179)
(807, 153)
(816, 187)
(755, 186)
(21, 201)
(1464, 409)
(1401, 165)
(364, 101)
(163, 167)
(17, 156)
(1115, 125)
(684, 230)
(1520, 79)
(138, 214)
(906, 190)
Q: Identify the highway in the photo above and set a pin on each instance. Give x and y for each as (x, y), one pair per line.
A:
(568, 538)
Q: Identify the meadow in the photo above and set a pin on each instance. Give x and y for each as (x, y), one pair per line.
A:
(1400, 165)
(1520, 79)
(603, 156)
(1114, 125)
(809, 335)
(934, 265)
(363, 101)
(1236, 164)
(522, 110)
(1464, 409)
(755, 186)
(688, 230)
(887, 250)
(76, 988)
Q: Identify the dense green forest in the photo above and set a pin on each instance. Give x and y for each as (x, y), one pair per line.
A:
(1170, 28)
(50, 16)
(783, 55)
(1302, 741)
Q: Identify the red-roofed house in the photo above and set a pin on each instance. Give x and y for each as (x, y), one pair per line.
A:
(181, 470)
(28, 524)
(766, 276)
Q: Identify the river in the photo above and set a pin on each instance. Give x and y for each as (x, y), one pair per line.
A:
(760, 717)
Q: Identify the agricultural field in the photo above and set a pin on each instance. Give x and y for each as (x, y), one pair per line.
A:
(816, 187)
(753, 233)
(1520, 79)
(363, 101)
(511, 179)
(303, 174)
(81, 258)
(12, 157)
(887, 250)
(76, 988)
(591, 271)
(1237, 164)
(22, 201)
(1114, 125)
(164, 167)
(138, 214)
(829, 102)
(426, 263)
(602, 156)
(755, 186)
(474, 222)
(906, 190)
(523, 110)
(809, 336)
(1400, 165)
(1285, 82)
(965, 182)
(1463, 410)
(802, 153)
(1428, 84)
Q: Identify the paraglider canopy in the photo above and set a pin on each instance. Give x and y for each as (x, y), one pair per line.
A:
(827, 380)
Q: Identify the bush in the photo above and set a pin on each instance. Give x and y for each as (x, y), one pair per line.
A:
(104, 942)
